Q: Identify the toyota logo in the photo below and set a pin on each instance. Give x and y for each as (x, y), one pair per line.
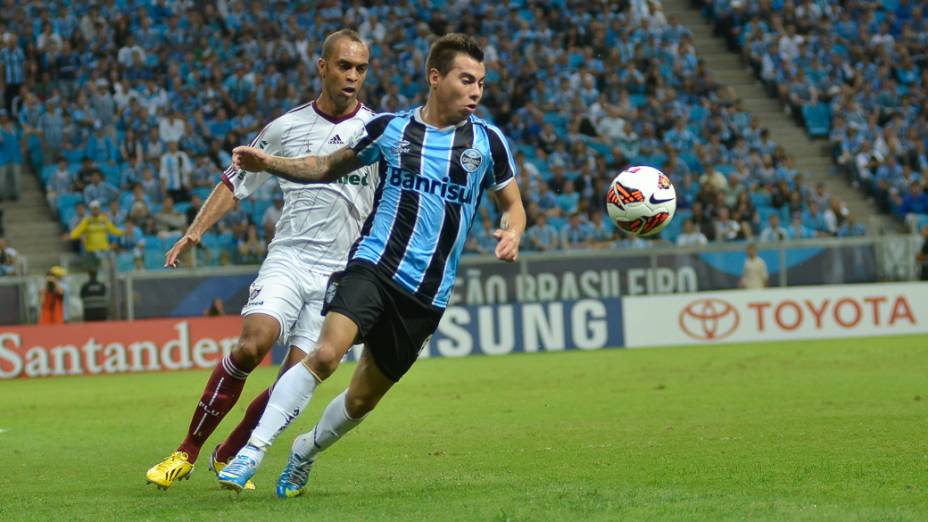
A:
(709, 319)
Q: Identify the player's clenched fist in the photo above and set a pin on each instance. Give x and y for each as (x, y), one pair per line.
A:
(250, 159)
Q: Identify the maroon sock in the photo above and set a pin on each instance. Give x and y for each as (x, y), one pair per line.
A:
(221, 392)
(239, 436)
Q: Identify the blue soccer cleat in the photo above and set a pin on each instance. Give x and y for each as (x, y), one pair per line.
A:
(237, 473)
(293, 479)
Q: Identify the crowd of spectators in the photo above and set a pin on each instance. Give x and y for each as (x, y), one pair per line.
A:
(132, 111)
(853, 71)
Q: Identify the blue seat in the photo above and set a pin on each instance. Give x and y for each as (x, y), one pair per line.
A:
(46, 173)
(203, 192)
(602, 149)
(69, 200)
(697, 114)
(152, 242)
(257, 213)
(153, 259)
(760, 199)
(559, 122)
(526, 149)
(125, 262)
(210, 240)
(919, 221)
(125, 200)
(574, 60)
(111, 172)
(73, 155)
(817, 118)
(764, 213)
(692, 161)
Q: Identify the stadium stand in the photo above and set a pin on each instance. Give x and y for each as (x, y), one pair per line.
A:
(138, 108)
(853, 72)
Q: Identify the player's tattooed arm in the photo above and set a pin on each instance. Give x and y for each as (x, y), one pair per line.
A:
(304, 169)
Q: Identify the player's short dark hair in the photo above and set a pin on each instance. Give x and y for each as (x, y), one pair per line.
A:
(444, 50)
(328, 45)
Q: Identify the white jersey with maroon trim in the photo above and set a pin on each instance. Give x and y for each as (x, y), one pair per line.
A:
(320, 221)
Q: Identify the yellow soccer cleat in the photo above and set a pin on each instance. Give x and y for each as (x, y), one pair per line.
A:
(215, 466)
(169, 470)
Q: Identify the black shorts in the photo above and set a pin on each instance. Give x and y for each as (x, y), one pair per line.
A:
(393, 324)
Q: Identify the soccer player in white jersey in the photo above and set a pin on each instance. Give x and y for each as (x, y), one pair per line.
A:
(318, 224)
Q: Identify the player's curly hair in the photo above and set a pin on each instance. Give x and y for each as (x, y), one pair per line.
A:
(443, 51)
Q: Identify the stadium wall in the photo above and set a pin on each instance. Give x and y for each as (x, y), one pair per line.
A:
(547, 277)
(831, 311)
(116, 346)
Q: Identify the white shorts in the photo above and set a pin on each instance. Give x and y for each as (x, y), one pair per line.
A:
(293, 295)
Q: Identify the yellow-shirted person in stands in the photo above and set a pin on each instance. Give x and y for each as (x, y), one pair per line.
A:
(94, 230)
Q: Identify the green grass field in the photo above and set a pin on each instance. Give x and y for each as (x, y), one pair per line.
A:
(829, 430)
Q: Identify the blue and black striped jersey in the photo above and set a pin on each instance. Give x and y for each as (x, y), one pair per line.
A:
(431, 181)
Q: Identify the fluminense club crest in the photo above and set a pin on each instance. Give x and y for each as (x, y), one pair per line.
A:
(253, 292)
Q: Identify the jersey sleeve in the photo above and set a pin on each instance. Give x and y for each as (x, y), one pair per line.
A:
(373, 172)
(502, 170)
(368, 142)
(243, 183)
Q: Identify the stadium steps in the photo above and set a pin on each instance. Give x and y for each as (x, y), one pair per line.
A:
(811, 157)
(32, 229)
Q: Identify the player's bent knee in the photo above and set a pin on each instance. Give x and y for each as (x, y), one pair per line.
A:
(250, 352)
(257, 339)
(359, 406)
(324, 361)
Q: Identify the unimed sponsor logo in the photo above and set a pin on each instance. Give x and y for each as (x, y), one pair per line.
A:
(115, 347)
(782, 313)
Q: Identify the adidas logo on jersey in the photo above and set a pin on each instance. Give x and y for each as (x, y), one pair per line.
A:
(336, 140)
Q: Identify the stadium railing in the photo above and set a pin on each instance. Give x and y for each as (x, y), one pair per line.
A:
(535, 277)
(549, 276)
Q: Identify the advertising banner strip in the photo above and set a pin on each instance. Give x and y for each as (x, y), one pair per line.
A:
(584, 324)
(815, 312)
(116, 347)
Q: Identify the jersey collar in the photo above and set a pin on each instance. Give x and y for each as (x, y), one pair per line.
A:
(337, 119)
(417, 115)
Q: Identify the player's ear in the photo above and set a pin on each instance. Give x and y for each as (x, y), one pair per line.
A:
(433, 78)
(320, 66)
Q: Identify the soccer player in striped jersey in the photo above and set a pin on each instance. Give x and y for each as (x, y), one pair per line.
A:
(435, 163)
(317, 226)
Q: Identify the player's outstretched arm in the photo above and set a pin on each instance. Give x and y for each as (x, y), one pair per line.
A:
(218, 204)
(305, 169)
(512, 223)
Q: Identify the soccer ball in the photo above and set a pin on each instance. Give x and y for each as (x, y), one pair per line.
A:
(641, 201)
